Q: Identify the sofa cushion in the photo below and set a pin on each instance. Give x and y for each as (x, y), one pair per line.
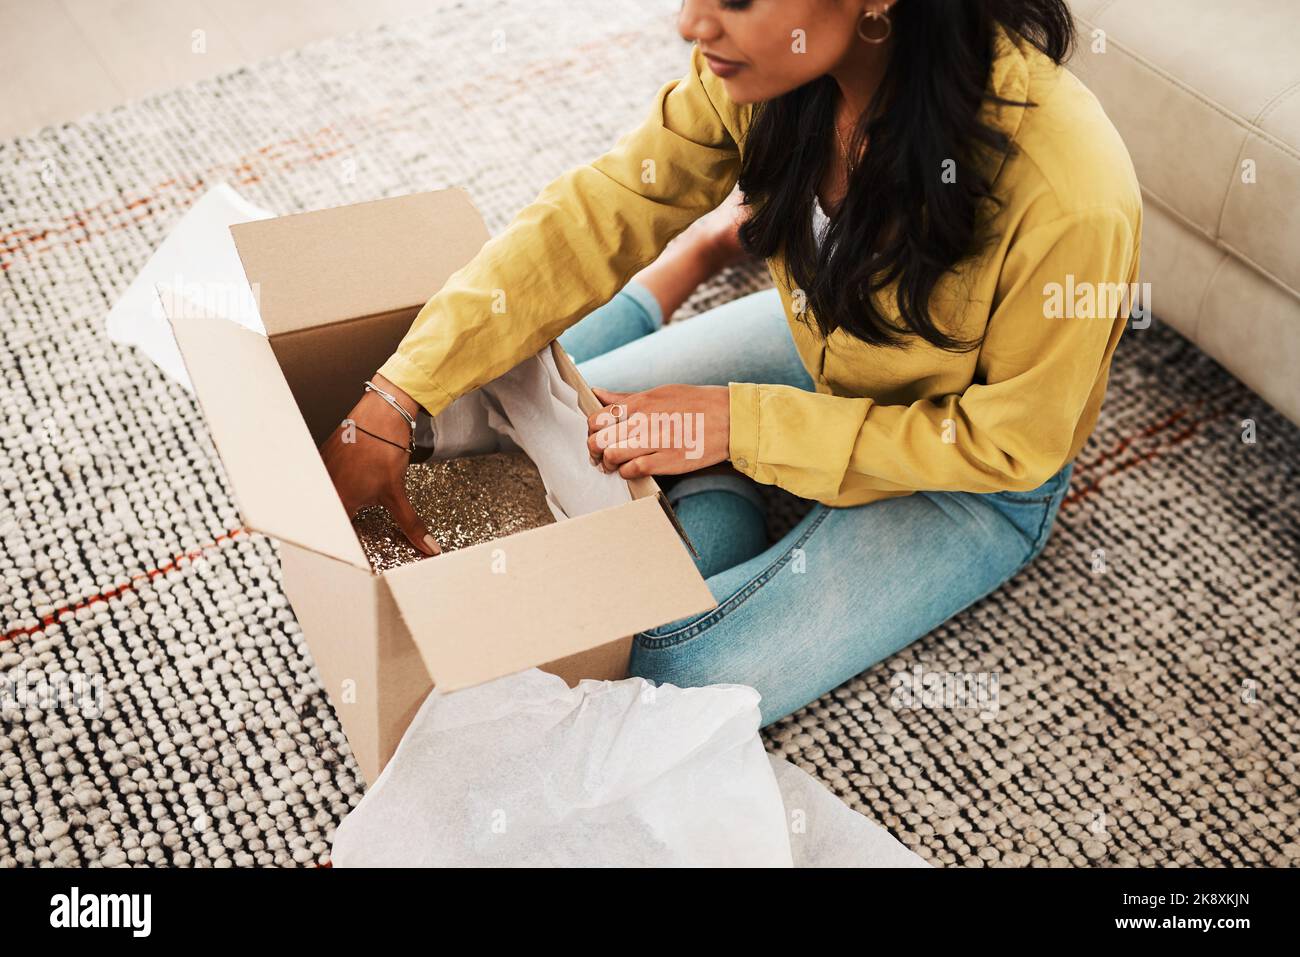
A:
(1207, 98)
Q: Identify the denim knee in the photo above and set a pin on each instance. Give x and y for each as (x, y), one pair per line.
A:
(632, 313)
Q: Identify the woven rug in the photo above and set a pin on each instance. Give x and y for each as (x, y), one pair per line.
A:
(1145, 666)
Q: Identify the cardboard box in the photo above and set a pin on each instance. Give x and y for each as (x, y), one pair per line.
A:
(338, 289)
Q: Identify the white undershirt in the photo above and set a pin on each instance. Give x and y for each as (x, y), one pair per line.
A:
(820, 222)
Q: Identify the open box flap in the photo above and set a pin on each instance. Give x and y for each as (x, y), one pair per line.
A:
(279, 480)
(313, 269)
(493, 609)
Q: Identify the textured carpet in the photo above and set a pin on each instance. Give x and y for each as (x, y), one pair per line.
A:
(1146, 708)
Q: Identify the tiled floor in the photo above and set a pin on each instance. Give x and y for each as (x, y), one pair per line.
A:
(65, 58)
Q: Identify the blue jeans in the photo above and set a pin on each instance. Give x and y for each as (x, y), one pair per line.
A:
(846, 587)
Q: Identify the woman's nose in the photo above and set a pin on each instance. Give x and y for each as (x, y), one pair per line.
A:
(697, 22)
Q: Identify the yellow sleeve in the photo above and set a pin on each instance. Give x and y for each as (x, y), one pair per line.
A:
(575, 246)
(1012, 430)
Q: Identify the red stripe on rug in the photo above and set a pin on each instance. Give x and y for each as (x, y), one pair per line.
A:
(1123, 444)
(1193, 428)
(110, 593)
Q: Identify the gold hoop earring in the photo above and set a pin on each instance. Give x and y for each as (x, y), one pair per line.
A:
(882, 17)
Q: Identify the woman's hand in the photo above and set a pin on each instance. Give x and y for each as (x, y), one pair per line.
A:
(663, 431)
(367, 471)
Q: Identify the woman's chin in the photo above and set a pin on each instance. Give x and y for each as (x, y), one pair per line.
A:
(741, 92)
(746, 87)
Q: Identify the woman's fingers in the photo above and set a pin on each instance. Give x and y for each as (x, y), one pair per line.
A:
(650, 463)
(399, 507)
(616, 437)
(608, 397)
(615, 455)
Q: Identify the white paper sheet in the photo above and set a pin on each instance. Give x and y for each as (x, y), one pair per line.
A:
(198, 260)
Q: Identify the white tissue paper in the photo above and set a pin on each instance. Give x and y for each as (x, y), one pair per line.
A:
(530, 408)
(525, 771)
(199, 261)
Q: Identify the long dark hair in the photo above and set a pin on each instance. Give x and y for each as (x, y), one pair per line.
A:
(900, 222)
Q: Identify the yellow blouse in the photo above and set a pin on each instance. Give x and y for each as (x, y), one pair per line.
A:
(1050, 299)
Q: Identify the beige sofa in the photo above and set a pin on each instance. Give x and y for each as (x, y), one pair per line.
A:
(1207, 97)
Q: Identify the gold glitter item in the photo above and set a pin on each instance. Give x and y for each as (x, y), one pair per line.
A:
(462, 502)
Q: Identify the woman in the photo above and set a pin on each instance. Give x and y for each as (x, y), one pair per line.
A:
(923, 179)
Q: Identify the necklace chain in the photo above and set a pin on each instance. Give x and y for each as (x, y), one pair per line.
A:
(844, 150)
